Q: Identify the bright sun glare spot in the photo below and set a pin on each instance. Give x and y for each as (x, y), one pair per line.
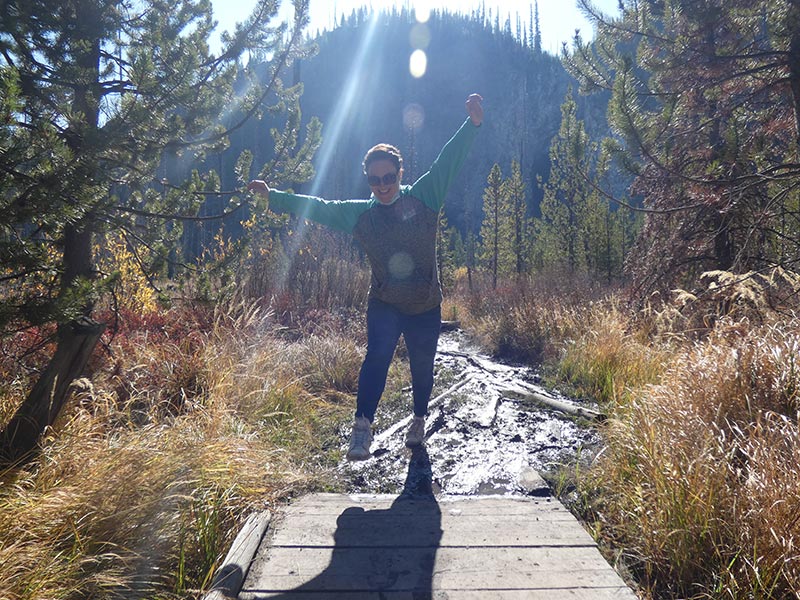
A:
(401, 265)
(422, 10)
(418, 63)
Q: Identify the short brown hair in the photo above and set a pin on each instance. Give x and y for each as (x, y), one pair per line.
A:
(383, 152)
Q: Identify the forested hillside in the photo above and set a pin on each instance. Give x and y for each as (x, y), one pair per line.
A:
(359, 85)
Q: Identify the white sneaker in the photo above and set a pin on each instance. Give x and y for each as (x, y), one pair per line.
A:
(360, 439)
(416, 432)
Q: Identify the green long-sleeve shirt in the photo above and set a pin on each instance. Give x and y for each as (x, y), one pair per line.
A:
(399, 239)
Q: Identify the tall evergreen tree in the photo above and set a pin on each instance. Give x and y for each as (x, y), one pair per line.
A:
(706, 106)
(444, 252)
(503, 231)
(95, 94)
(613, 228)
(602, 244)
(578, 231)
(459, 248)
(470, 245)
(560, 231)
(471, 249)
(494, 203)
(517, 218)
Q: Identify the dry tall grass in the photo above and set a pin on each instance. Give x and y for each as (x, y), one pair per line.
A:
(697, 490)
(139, 490)
(699, 481)
(525, 321)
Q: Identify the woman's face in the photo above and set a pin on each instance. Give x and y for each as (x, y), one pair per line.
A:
(384, 179)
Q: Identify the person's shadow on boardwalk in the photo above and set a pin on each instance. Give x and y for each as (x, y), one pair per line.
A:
(380, 551)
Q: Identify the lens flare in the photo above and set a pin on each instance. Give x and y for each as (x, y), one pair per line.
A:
(344, 103)
(335, 128)
(422, 10)
(401, 265)
(413, 116)
(420, 36)
(418, 63)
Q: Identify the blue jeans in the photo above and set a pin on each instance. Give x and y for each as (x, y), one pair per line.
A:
(384, 326)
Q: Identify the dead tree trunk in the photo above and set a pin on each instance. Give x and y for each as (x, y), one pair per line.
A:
(76, 341)
(78, 337)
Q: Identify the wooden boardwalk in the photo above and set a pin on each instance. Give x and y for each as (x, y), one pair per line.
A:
(370, 547)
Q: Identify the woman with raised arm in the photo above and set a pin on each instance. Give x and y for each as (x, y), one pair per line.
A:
(397, 229)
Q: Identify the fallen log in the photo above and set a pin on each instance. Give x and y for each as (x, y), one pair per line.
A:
(524, 392)
(230, 576)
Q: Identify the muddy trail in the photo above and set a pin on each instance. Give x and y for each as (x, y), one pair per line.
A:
(491, 430)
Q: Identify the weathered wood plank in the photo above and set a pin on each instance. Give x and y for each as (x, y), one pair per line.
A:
(575, 593)
(392, 529)
(333, 504)
(365, 547)
(364, 569)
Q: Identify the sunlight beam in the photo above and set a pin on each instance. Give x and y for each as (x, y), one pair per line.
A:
(344, 104)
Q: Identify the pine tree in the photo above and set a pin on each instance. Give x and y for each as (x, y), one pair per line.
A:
(471, 249)
(491, 227)
(612, 232)
(504, 234)
(560, 233)
(706, 110)
(444, 252)
(459, 248)
(95, 95)
(597, 234)
(517, 218)
(578, 231)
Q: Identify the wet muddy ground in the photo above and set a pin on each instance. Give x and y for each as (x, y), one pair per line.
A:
(480, 437)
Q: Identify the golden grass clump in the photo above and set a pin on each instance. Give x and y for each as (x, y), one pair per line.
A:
(610, 356)
(583, 337)
(327, 365)
(141, 485)
(525, 321)
(699, 480)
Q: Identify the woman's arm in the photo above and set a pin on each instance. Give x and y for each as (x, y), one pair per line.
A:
(337, 214)
(432, 186)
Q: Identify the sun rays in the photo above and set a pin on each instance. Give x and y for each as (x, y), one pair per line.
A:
(347, 105)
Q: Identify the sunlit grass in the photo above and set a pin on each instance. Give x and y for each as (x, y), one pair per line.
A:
(699, 478)
(142, 484)
(610, 357)
(546, 321)
(697, 488)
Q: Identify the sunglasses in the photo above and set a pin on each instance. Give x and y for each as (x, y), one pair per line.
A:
(388, 179)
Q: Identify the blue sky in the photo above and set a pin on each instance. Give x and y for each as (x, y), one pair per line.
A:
(558, 18)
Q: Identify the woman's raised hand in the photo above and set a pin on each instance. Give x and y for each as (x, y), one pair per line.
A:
(474, 108)
(259, 187)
